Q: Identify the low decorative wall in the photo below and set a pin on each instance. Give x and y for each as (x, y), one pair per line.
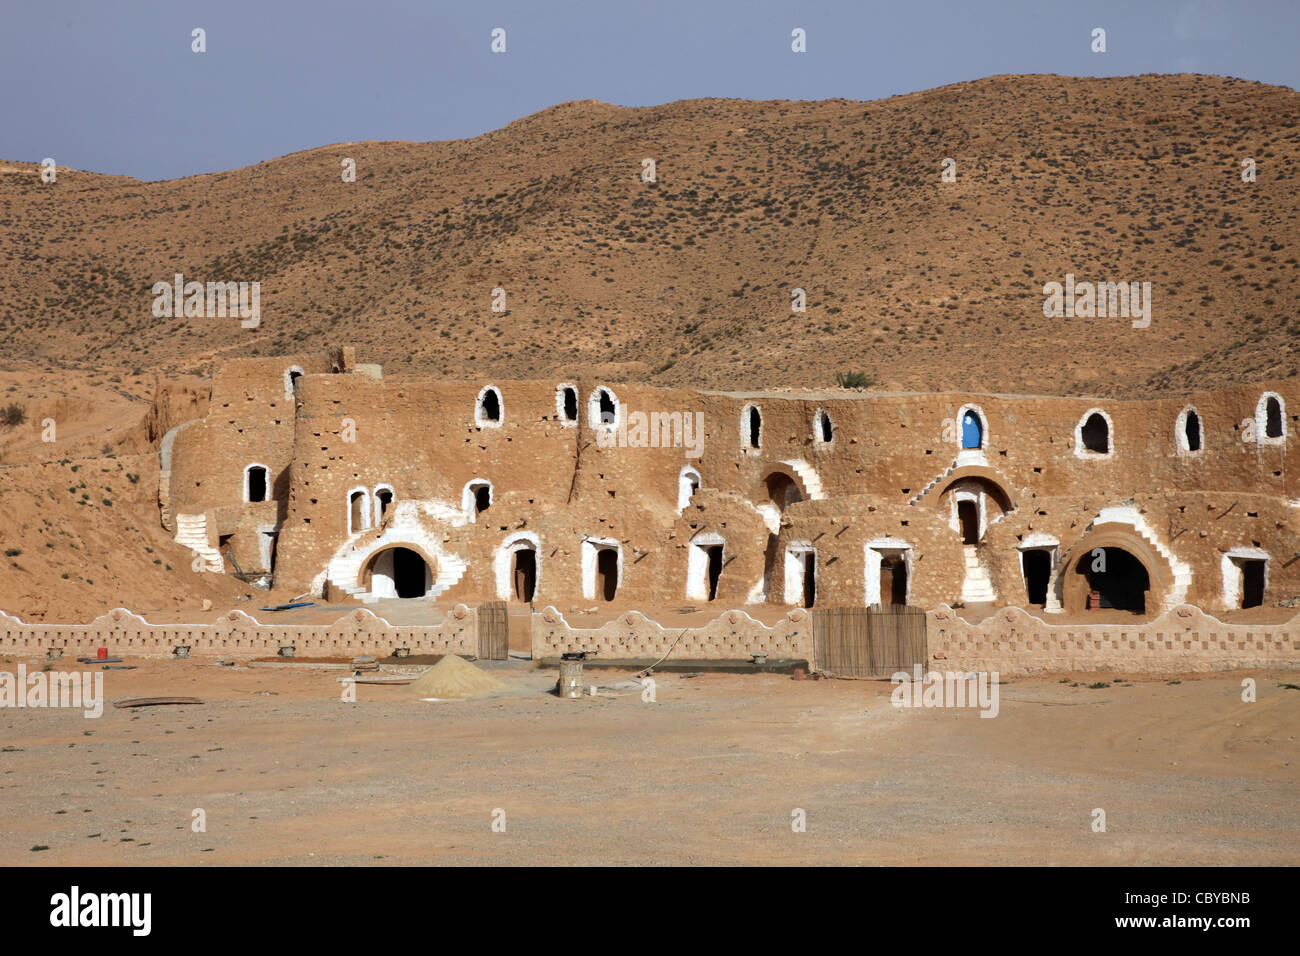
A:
(238, 634)
(1181, 640)
(733, 635)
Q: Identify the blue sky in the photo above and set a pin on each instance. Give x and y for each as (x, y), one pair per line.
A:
(114, 87)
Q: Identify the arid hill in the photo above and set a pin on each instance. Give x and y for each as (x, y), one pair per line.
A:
(687, 280)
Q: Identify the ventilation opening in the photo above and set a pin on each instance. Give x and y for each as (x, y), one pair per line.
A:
(968, 517)
(754, 428)
(385, 498)
(714, 551)
(1192, 430)
(605, 405)
(570, 404)
(893, 580)
(972, 431)
(1272, 418)
(1119, 580)
(809, 578)
(824, 428)
(357, 510)
(606, 574)
(1252, 581)
(257, 484)
(482, 498)
(490, 406)
(1096, 434)
(524, 574)
(782, 490)
(1038, 572)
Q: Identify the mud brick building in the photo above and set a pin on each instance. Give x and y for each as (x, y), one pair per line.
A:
(318, 471)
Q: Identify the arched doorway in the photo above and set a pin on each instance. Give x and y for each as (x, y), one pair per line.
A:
(398, 572)
(781, 490)
(1115, 579)
(523, 574)
(972, 430)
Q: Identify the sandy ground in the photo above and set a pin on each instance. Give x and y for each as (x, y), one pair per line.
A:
(709, 773)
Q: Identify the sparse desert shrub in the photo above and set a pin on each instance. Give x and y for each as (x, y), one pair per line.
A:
(852, 379)
(13, 414)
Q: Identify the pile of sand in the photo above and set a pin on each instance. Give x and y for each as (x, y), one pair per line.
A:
(453, 677)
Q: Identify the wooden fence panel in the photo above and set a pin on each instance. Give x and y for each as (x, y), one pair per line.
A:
(868, 642)
(493, 632)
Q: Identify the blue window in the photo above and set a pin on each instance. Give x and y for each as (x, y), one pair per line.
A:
(972, 431)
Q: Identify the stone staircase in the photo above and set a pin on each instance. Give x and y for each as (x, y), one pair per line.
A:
(977, 588)
(192, 533)
(1127, 514)
(402, 524)
(808, 475)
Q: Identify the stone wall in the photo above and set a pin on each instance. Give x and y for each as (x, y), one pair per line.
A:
(1182, 640)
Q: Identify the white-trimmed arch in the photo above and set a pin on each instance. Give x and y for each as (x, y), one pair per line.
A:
(818, 433)
(364, 511)
(591, 547)
(289, 380)
(746, 444)
(1180, 432)
(469, 496)
(1080, 451)
(984, 426)
(374, 497)
(688, 483)
(559, 404)
(1261, 419)
(593, 408)
(480, 415)
(519, 541)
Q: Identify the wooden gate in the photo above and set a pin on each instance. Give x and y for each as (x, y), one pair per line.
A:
(493, 631)
(868, 642)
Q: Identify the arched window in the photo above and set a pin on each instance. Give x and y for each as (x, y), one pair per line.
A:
(255, 483)
(566, 404)
(358, 510)
(688, 482)
(970, 420)
(1270, 418)
(383, 501)
(291, 376)
(1187, 432)
(488, 412)
(602, 409)
(823, 430)
(1092, 436)
(476, 498)
(751, 428)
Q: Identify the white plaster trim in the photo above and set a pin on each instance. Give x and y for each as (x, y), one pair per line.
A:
(794, 572)
(593, 409)
(697, 564)
(288, 380)
(984, 427)
(1234, 573)
(467, 495)
(745, 446)
(1079, 450)
(374, 500)
(559, 404)
(1261, 419)
(590, 547)
(684, 487)
(873, 554)
(1180, 431)
(365, 509)
(480, 417)
(519, 541)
